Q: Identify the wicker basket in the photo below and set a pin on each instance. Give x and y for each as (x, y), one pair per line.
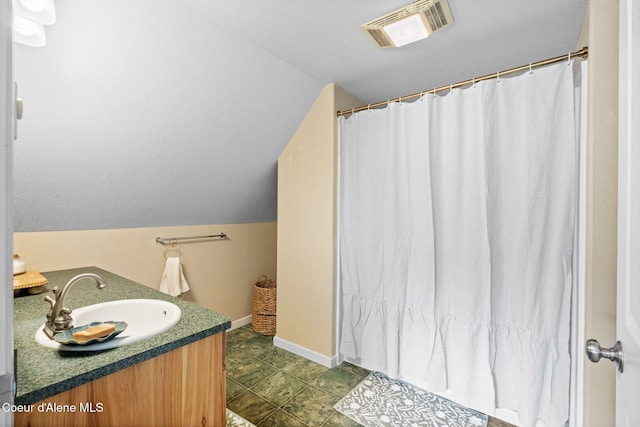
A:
(263, 316)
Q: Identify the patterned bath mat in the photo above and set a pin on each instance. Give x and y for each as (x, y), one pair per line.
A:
(235, 420)
(379, 401)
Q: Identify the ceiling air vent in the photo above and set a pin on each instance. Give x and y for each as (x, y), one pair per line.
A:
(410, 23)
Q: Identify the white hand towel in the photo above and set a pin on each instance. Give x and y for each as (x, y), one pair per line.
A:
(173, 281)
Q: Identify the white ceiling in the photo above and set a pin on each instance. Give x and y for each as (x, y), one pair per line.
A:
(160, 130)
(323, 38)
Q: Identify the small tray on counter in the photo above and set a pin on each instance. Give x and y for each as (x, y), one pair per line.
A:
(32, 281)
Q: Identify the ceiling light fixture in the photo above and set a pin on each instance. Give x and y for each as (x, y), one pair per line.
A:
(28, 32)
(29, 18)
(409, 24)
(39, 11)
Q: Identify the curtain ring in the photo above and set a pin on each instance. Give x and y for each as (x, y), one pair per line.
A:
(569, 60)
(530, 68)
(498, 76)
(474, 82)
(369, 107)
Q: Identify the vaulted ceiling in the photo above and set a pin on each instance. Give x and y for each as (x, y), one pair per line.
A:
(174, 112)
(324, 39)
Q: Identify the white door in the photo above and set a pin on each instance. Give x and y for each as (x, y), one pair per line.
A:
(6, 218)
(628, 318)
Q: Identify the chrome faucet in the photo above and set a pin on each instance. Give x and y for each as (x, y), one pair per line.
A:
(59, 317)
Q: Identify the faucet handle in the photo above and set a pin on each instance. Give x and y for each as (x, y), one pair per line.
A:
(50, 300)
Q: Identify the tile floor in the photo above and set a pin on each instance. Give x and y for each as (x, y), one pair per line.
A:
(272, 387)
(269, 386)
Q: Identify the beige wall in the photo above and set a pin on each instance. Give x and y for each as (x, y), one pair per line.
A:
(307, 227)
(221, 273)
(600, 32)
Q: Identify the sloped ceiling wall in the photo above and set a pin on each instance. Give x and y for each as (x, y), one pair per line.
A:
(324, 38)
(143, 113)
(173, 112)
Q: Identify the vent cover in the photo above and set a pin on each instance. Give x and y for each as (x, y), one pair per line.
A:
(434, 15)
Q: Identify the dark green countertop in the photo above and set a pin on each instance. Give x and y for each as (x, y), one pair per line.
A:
(43, 372)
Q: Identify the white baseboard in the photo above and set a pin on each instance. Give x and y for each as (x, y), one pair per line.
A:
(235, 324)
(328, 361)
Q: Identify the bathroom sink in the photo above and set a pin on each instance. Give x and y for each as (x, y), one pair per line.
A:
(145, 318)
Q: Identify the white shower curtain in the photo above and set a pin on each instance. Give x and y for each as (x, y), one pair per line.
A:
(456, 238)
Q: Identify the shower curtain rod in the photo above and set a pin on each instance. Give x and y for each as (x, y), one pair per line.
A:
(582, 53)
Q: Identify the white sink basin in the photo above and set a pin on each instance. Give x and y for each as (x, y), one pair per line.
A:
(145, 318)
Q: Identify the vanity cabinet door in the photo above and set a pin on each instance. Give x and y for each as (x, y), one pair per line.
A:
(185, 387)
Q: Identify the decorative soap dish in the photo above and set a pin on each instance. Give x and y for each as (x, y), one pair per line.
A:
(66, 337)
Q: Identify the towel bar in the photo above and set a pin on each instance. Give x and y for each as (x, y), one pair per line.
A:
(172, 240)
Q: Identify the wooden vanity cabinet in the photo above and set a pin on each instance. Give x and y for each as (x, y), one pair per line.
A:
(184, 387)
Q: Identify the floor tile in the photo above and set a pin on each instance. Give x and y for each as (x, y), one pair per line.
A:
(304, 369)
(278, 388)
(280, 418)
(249, 371)
(495, 422)
(278, 357)
(234, 389)
(251, 407)
(236, 356)
(355, 370)
(256, 345)
(271, 387)
(240, 335)
(339, 420)
(337, 382)
(312, 405)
